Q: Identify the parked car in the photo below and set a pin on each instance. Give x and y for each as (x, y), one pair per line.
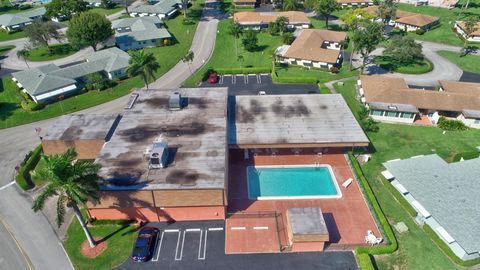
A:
(145, 244)
(213, 78)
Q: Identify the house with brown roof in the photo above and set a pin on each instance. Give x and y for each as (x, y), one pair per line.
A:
(313, 48)
(460, 28)
(409, 21)
(244, 3)
(354, 3)
(259, 20)
(392, 100)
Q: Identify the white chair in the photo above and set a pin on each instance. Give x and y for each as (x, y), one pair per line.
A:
(347, 182)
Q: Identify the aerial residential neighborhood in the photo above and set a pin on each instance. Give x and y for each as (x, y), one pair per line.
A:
(244, 134)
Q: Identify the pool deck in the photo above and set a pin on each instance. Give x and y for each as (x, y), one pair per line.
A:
(348, 218)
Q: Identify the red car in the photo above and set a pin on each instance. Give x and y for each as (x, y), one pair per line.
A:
(213, 78)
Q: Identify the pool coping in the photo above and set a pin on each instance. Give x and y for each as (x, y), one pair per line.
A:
(267, 198)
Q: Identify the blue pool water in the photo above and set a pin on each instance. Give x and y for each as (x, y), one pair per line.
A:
(272, 182)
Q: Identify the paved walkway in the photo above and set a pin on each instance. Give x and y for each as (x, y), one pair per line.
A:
(33, 230)
(443, 69)
(11, 60)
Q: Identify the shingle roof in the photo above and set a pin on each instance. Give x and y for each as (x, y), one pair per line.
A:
(294, 17)
(46, 78)
(307, 45)
(19, 18)
(406, 17)
(139, 28)
(448, 191)
(394, 90)
(461, 24)
(162, 7)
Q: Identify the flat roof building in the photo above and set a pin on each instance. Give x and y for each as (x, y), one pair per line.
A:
(286, 121)
(86, 133)
(445, 196)
(194, 174)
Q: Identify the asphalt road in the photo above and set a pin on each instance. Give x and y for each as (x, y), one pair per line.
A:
(32, 230)
(10, 254)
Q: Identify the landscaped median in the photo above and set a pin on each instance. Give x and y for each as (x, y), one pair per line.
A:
(52, 52)
(417, 67)
(117, 238)
(23, 176)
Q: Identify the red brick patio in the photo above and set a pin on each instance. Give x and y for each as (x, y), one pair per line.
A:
(348, 218)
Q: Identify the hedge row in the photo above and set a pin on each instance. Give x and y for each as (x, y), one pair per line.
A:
(444, 247)
(363, 252)
(307, 80)
(23, 176)
(252, 70)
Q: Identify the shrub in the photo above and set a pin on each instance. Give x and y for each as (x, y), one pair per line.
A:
(334, 70)
(369, 125)
(452, 125)
(419, 31)
(250, 70)
(25, 6)
(466, 156)
(30, 106)
(89, 86)
(288, 38)
(23, 175)
(187, 21)
(167, 42)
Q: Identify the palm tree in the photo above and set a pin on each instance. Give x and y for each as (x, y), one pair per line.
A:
(143, 64)
(236, 30)
(74, 182)
(23, 54)
(188, 58)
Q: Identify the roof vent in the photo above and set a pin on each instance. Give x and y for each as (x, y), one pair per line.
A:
(158, 155)
(392, 107)
(175, 101)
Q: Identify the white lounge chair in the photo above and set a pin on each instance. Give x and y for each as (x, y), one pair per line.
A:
(347, 182)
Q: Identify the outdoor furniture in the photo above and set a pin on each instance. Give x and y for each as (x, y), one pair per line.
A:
(347, 182)
(371, 239)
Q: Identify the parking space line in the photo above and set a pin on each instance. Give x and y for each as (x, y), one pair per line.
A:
(221, 79)
(259, 78)
(172, 230)
(215, 229)
(178, 242)
(261, 228)
(234, 79)
(159, 247)
(192, 230)
(245, 78)
(204, 246)
(200, 244)
(237, 228)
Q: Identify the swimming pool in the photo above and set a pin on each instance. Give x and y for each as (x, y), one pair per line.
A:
(292, 182)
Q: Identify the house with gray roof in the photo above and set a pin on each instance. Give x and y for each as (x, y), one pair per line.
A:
(445, 196)
(161, 9)
(17, 21)
(48, 82)
(139, 32)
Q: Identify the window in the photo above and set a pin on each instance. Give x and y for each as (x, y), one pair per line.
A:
(407, 115)
(477, 122)
(376, 112)
(392, 114)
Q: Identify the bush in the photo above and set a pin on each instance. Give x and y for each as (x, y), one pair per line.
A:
(188, 21)
(307, 80)
(452, 125)
(466, 156)
(25, 7)
(288, 38)
(167, 42)
(369, 125)
(30, 106)
(334, 70)
(420, 31)
(23, 175)
(252, 70)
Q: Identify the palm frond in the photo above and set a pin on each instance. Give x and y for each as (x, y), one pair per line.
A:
(39, 202)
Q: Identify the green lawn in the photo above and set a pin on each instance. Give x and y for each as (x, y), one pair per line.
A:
(57, 51)
(416, 249)
(470, 63)
(225, 56)
(321, 75)
(417, 67)
(38, 181)
(443, 33)
(11, 114)
(228, 7)
(105, 11)
(120, 239)
(4, 35)
(5, 49)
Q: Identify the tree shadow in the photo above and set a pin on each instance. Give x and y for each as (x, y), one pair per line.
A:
(123, 227)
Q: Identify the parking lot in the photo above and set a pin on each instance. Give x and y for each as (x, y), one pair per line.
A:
(201, 245)
(252, 84)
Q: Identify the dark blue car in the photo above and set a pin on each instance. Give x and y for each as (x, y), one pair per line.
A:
(145, 244)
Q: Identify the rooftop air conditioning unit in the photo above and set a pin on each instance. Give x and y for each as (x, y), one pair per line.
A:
(175, 101)
(158, 155)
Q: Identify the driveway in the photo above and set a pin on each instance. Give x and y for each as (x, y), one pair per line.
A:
(442, 70)
(252, 84)
(32, 230)
(201, 245)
